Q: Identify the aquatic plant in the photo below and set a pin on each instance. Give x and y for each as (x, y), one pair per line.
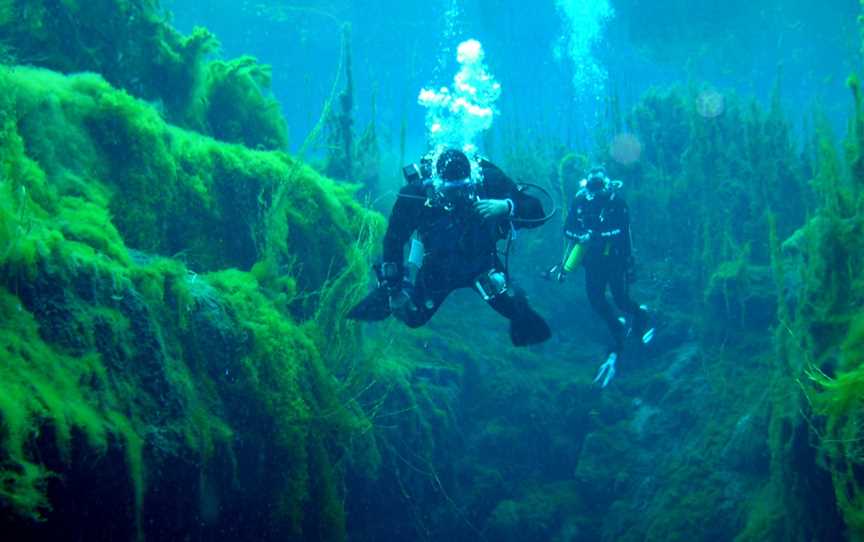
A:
(238, 110)
(744, 158)
(133, 47)
(349, 157)
(817, 382)
(152, 281)
(828, 314)
(340, 136)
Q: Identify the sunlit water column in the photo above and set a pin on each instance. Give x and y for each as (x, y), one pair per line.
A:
(448, 35)
(584, 24)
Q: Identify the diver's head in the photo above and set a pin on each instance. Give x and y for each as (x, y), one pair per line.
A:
(453, 165)
(453, 185)
(596, 181)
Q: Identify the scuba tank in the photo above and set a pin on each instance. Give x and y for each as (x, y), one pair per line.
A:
(575, 257)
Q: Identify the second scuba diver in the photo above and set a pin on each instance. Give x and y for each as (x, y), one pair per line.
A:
(459, 208)
(597, 236)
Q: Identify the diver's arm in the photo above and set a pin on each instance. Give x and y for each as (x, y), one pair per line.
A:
(521, 206)
(626, 247)
(494, 208)
(574, 229)
(568, 246)
(570, 228)
(404, 219)
(527, 208)
(617, 228)
(626, 239)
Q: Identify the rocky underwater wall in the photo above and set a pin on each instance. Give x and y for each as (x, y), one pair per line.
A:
(815, 488)
(174, 361)
(134, 47)
(171, 326)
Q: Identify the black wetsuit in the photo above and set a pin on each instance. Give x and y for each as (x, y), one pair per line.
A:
(608, 257)
(460, 247)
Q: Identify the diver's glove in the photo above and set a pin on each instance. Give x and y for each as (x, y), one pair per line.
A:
(556, 273)
(493, 208)
(398, 293)
(607, 370)
(400, 299)
(389, 274)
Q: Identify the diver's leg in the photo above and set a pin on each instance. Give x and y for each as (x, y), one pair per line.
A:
(595, 288)
(426, 297)
(372, 308)
(621, 294)
(526, 326)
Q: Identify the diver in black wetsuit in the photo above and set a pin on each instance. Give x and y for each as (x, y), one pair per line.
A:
(459, 212)
(597, 235)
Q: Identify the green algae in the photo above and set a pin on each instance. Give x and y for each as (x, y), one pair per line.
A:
(133, 46)
(238, 108)
(286, 371)
(141, 233)
(41, 384)
(211, 202)
(260, 251)
(743, 158)
(814, 489)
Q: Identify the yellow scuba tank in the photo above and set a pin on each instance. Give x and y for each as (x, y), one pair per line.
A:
(574, 258)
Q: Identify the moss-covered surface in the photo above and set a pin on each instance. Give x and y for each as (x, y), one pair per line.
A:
(133, 46)
(815, 486)
(714, 181)
(176, 363)
(177, 299)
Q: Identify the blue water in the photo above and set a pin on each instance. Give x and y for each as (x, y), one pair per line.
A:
(399, 47)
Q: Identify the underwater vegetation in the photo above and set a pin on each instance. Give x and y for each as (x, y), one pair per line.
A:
(705, 195)
(717, 182)
(816, 386)
(348, 157)
(134, 48)
(175, 362)
(160, 289)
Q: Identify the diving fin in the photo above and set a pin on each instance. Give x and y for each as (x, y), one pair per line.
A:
(373, 308)
(529, 328)
(641, 325)
(648, 336)
(647, 329)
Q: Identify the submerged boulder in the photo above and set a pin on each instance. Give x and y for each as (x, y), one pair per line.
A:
(741, 297)
(135, 48)
(172, 313)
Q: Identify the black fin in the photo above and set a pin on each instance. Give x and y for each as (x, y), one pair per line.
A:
(529, 328)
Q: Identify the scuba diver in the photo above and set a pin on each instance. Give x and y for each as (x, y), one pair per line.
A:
(456, 211)
(597, 235)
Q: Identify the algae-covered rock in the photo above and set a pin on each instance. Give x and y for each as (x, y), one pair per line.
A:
(172, 307)
(544, 514)
(132, 45)
(740, 296)
(169, 191)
